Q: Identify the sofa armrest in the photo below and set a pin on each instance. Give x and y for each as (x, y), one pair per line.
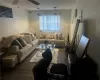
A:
(13, 50)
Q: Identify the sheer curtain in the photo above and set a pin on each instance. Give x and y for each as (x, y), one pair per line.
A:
(49, 23)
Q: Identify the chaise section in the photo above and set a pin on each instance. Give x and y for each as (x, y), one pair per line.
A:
(16, 54)
(9, 61)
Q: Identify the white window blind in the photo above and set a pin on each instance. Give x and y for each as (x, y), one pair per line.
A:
(50, 23)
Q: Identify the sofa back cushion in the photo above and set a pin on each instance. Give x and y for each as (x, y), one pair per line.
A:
(59, 36)
(22, 41)
(27, 38)
(50, 36)
(16, 43)
(31, 37)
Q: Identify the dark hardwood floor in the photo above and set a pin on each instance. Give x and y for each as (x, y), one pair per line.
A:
(23, 71)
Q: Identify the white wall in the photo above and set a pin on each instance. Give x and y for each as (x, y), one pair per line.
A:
(65, 20)
(73, 22)
(91, 19)
(80, 31)
(19, 23)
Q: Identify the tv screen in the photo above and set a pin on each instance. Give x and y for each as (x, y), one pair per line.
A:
(6, 12)
(82, 46)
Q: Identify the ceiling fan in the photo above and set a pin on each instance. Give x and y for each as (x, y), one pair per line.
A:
(32, 1)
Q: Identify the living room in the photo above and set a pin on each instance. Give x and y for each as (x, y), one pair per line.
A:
(26, 19)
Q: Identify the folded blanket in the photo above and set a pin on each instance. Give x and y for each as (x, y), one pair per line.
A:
(7, 41)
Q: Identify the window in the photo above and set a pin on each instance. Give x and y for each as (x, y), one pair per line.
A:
(50, 23)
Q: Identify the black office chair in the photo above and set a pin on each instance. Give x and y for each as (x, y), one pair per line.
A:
(57, 71)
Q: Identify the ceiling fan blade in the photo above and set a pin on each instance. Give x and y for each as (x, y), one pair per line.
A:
(34, 2)
(15, 2)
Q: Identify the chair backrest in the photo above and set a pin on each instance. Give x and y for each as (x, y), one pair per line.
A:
(47, 54)
(40, 70)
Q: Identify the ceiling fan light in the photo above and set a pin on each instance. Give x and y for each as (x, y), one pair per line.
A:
(55, 13)
(15, 2)
(38, 14)
(38, 11)
(34, 2)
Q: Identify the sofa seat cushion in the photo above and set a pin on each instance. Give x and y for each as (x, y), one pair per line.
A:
(42, 39)
(52, 40)
(29, 46)
(36, 41)
(59, 41)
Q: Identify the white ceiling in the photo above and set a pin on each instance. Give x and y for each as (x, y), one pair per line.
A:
(44, 4)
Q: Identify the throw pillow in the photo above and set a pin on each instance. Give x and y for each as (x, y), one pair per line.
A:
(53, 36)
(57, 36)
(42, 36)
(33, 37)
(22, 41)
(62, 37)
(16, 43)
(27, 38)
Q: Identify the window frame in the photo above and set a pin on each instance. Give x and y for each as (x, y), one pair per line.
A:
(57, 23)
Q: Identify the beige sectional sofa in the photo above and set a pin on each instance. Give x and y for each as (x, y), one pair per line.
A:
(23, 53)
(56, 38)
(31, 45)
(9, 60)
(55, 41)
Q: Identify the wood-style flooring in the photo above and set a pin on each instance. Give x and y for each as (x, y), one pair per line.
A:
(23, 71)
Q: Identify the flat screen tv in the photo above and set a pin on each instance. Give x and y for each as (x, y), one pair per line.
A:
(82, 47)
(6, 12)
